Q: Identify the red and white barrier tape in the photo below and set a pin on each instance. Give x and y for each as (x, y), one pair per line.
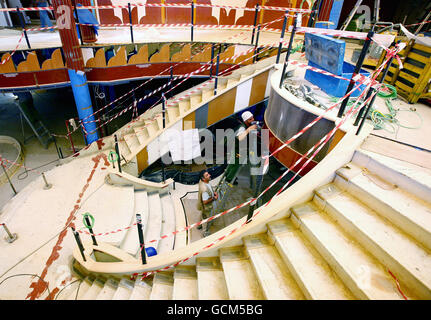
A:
(13, 52)
(323, 141)
(167, 5)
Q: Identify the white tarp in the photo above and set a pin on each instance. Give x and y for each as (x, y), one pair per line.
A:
(183, 144)
(426, 41)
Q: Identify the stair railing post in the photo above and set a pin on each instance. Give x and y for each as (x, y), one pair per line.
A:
(283, 30)
(370, 104)
(164, 125)
(93, 237)
(21, 20)
(356, 71)
(256, 11)
(193, 18)
(212, 61)
(117, 150)
(141, 238)
(289, 48)
(256, 49)
(216, 76)
(130, 21)
(78, 241)
(7, 176)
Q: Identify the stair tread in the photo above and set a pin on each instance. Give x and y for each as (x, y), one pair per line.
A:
(124, 290)
(107, 214)
(163, 285)
(130, 243)
(141, 290)
(92, 292)
(352, 263)
(168, 224)
(274, 278)
(411, 177)
(396, 243)
(408, 208)
(154, 221)
(132, 141)
(308, 267)
(185, 283)
(241, 281)
(142, 134)
(108, 290)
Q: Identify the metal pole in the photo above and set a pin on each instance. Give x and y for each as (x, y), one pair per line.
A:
(7, 176)
(91, 231)
(171, 79)
(78, 241)
(370, 104)
(255, 22)
(141, 238)
(21, 20)
(212, 61)
(164, 124)
(10, 237)
(256, 49)
(130, 21)
(118, 153)
(283, 30)
(56, 147)
(216, 79)
(47, 185)
(289, 48)
(356, 71)
(70, 138)
(193, 17)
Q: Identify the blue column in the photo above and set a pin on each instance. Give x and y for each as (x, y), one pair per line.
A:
(81, 93)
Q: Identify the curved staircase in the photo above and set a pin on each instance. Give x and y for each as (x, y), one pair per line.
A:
(365, 235)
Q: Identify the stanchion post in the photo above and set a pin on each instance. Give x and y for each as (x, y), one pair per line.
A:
(256, 11)
(130, 21)
(289, 48)
(164, 124)
(356, 71)
(7, 176)
(91, 230)
(78, 241)
(117, 150)
(370, 104)
(256, 49)
(21, 20)
(216, 75)
(141, 238)
(11, 237)
(47, 185)
(212, 61)
(283, 30)
(69, 137)
(193, 18)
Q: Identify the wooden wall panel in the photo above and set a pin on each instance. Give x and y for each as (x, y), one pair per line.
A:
(7, 67)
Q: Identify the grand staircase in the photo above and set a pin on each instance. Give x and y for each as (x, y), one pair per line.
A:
(365, 235)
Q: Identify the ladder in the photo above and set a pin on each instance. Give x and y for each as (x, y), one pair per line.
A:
(39, 129)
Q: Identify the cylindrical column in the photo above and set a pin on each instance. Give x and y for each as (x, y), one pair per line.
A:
(216, 76)
(130, 21)
(193, 18)
(63, 12)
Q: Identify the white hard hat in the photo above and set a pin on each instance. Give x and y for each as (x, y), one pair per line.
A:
(246, 115)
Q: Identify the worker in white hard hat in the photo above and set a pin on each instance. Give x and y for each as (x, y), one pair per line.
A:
(247, 126)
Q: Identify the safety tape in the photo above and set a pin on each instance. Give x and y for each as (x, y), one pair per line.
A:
(172, 5)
